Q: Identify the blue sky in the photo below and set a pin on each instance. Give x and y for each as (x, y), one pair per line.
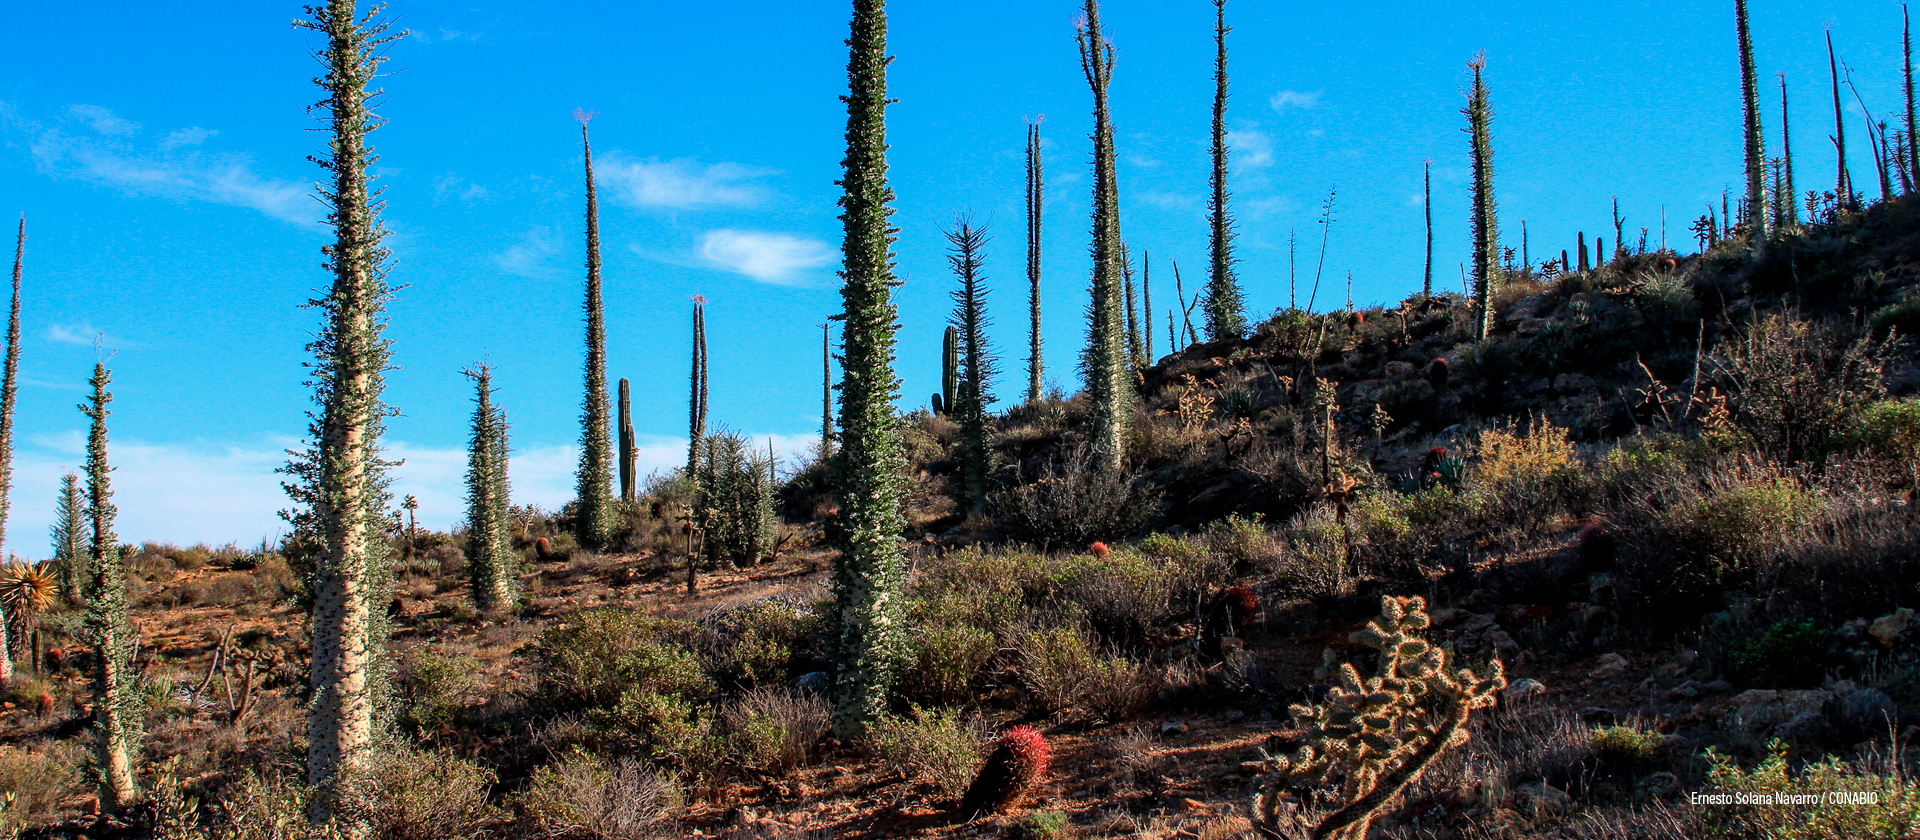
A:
(160, 159)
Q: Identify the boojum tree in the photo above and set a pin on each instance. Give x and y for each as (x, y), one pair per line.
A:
(867, 612)
(1103, 364)
(1226, 310)
(490, 555)
(1035, 185)
(595, 512)
(977, 364)
(1756, 148)
(119, 711)
(340, 483)
(1486, 227)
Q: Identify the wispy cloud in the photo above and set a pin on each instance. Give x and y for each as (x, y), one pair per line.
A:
(90, 143)
(1295, 99)
(680, 184)
(776, 258)
(102, 120)
(84, 334)
(532, 256)
(454, 186)
(1251, 147)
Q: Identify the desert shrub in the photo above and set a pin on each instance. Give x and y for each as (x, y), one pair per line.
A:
(666, 729)
(1118, 594)
(1790, 654)
(1743, 523)
(586, 796)
(941, 745)
(1901, 317)
(1060, 668)
(429, 795)
(1243, 540)
(1829, 798)
(1624, 743)
(1117, 688)
(773, 729)
(1381, 526)
(1522, 477)
(436, 690)
(38, 781)
(1798, 386)
(256, 807)
(946, 658)
(1317, 553)
(757, 641)
(1073, 503)
(1890, 431)
(1044, 825)
(600, 655)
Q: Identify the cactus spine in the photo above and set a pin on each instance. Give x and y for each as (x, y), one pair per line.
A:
(1381, 732)
(949, 372)
(495, 567)
(1756, 146)
(119, 709)
(1486, 230)
(870, 569)
(1103, 363)
(1226, 311)
(70, 537)
(1012, 771)
(629, 457)
(1034, 186)
(594, 522)
(340, 479)
(977, 365)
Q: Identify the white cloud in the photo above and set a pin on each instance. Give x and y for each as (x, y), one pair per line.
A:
(85, 335)
(103, 120)
(200, 176)
(458, 187)
(1251, 147)
(532, 256)
(680, 184)
(1295, 99)
(185, 137)
(768, 257)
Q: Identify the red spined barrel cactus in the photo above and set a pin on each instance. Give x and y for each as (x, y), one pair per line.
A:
(1437, 372)
(1101, 551)
(1243, 608)
(1012, 771)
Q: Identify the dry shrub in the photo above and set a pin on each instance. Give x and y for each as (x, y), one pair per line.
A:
(774, 729)
(590, 797)
(39, 780)
(1798, 387)
(429, 795)
(941, 745)
(1060, 668)
(1073, 503)
(946, 659)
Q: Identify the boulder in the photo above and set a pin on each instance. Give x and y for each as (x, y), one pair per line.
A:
(1608, 665)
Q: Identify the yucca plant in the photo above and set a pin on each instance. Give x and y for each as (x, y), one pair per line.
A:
(594, 519)
(867, 617)
(26, 591)
(1103, 363)
(490, 556)
(119, 711)
(1226, 310)
(978, 365)
(339, 481)
(1486, 228)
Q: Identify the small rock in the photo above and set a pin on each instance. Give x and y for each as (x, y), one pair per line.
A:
(1686, 689)
(1235, 715)
(1173, 727)
(1542, 800)
(817, 682)
(1891, 629)
(1608, 665)
(1522, 688)
(1806, 729)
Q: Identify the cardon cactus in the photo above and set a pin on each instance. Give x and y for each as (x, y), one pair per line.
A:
(1012, 771)
(949, 371)
(1375, 734)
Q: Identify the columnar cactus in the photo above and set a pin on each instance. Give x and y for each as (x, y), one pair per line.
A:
(629, 457)
(1011, 772)
(697, 386)
(1377, 733)
(119, 711)
(1582, 239)
(949, 371)
(826, 391)
(1486, 226)
(1426, 176)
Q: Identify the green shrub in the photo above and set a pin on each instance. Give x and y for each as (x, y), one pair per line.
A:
(586, 796)
(38, 780)
(1119, 594)
(759, 640)
(1740, 524)
(946, 658)
(1074, 504)
(1790, 654)
(1044, 825)
(1054, 666)
(1626, 743)
(774, 729)
(1830, 798)
(941, 745)
(1316, 558)
(1242, 540)
(666, 729)
(600, 655)
(429, 795)
(436, 690)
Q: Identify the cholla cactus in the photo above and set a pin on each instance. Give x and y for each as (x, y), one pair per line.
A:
(1375, 735)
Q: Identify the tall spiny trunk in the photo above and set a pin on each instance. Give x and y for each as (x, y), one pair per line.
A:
(1226, 315)
(629, 456)
(871, 568)
(595, 521)
(1906, 52)
(1136, 355)
(7, 391)
(1035, 183)
(977, 365)
(341, 478)
(1486, 231)
(1756, 149)
(1790, 207)
(70, 547)
(495, 566)
(1426, 177)
(1109, 390)
(826, 392)
(117, 707)
(697, 387)
(1843, 184)
(1146, 304)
